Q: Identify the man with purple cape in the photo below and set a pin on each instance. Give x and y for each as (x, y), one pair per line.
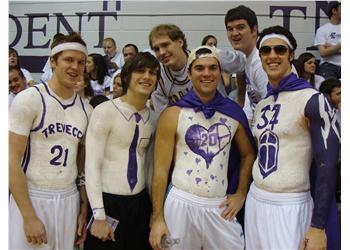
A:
(197, 134)
(290, 204)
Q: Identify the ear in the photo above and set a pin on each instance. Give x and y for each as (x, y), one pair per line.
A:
(291, 57)
(52, 62)
(180, 42)
(189, 74)
(255, 31)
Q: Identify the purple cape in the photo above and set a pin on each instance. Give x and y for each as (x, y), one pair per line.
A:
(231, 109)
(290, 82)
(293, 83)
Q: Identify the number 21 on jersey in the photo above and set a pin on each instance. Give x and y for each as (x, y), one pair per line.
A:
(60, 156)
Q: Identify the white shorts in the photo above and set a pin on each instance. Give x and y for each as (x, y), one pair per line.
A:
(276, 220)
(58, 211)
(198, 223)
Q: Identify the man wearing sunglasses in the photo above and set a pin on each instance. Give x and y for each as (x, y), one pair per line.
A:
(298, 137)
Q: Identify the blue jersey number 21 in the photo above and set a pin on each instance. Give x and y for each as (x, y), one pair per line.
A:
(60, 156)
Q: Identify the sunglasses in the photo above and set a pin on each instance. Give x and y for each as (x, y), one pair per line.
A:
(279, 50)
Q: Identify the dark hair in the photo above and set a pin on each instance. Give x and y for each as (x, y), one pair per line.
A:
(72, 37)
(331, 6)
(170, 30)
(206, 38)
(18, 69)
(57, 36)
(140, 61)
(299, 65)
(97, 100)
(199, 52)
(278, 30)
(88, 91)
(12, 50)
(328, 85)
(242, 12)
(131, 45)
(101, 68)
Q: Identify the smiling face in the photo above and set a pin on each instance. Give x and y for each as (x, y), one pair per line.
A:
(205, 74)
(168, 52)
(13, 60)
(68, 67)
(143, 81)
(276, 65)
(241, 36)
(17, 83)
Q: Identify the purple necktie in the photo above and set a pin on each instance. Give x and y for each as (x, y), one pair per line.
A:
(132, 164)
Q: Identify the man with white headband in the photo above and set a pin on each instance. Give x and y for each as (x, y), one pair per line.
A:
(200, 133)
(47, 126)
(298, 143)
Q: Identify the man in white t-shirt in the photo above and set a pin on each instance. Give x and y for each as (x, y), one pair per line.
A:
(328, 42)
(242, 32)
(113, 58)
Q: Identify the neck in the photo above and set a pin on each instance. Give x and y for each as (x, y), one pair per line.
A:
(138, 101)
(276, 82)
(180, 64)
(334, 20)
(82, 93)
(249, 50)
(205, 98)
(59, 89)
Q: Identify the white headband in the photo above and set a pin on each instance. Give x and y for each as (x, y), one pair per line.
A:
(279, 36)
(69, 46)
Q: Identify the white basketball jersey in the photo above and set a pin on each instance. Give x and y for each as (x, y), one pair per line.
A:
(202, 153)
(284, 143)
(54, 128)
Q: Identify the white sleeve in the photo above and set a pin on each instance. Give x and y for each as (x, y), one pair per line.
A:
(25, 108)
(320, 37)
(260, 80)
(96, 138)
(231, 61)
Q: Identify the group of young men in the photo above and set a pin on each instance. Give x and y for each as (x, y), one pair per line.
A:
(196, 136)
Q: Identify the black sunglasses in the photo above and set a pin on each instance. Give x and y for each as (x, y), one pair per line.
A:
(279, 50)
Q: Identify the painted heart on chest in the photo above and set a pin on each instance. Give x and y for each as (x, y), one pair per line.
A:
(208, 142)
